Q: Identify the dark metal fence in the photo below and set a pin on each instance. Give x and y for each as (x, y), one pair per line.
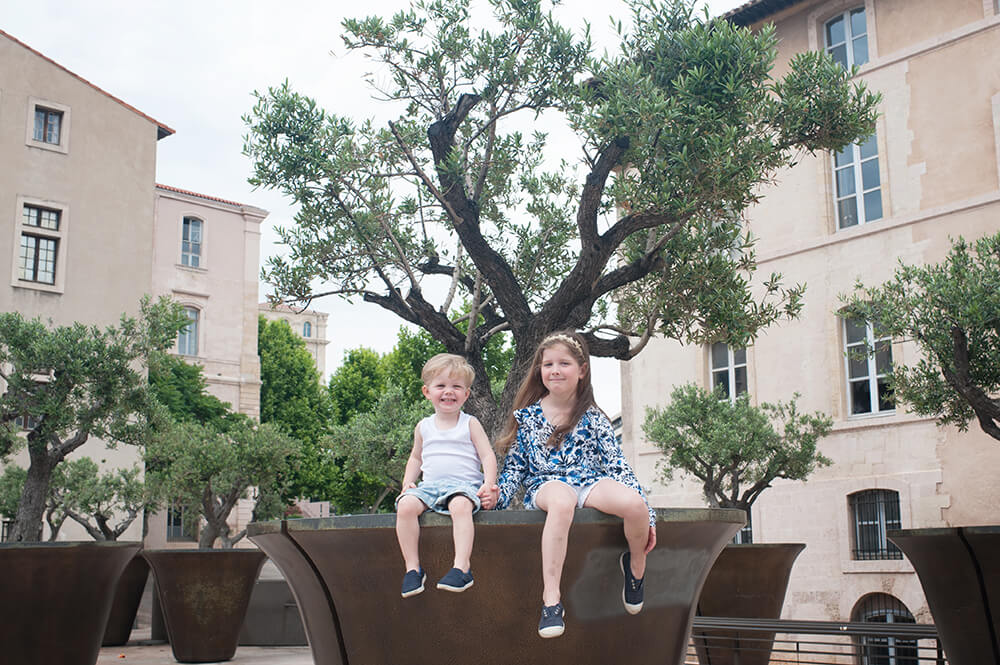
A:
(817, 642)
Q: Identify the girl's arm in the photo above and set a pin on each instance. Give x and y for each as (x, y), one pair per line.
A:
(515, 467)
(615, 463)
(413, 464)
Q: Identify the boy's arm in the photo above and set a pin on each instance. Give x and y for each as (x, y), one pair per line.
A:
(413, 464)
(488, 492)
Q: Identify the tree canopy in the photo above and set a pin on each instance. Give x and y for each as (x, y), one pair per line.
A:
(735, 449)
(458, 210)
(70, 383)
(951, 310)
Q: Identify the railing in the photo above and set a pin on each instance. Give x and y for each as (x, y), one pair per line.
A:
(817, 642)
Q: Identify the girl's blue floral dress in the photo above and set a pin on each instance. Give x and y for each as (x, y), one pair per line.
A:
(587, 454)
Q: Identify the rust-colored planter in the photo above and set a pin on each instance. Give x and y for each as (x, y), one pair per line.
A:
(204, 595)
(747, 581)
(959, 570)
(128, 595)
(55, 599)
(345, 573)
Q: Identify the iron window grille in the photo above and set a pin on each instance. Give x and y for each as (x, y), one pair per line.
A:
(875, 512)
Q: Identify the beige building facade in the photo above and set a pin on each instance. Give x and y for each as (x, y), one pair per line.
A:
(76, 207)
(308, 324)
(930, 173)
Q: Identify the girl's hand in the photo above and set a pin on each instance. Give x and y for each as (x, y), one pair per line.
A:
(651, 543)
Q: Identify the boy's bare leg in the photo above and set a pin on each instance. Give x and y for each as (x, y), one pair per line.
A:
(462, 530)
(558, 501)
(408, 512)
(611, 497)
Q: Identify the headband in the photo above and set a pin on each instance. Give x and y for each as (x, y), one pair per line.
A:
(566, 339)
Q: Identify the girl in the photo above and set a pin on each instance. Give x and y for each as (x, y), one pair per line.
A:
(561, 447)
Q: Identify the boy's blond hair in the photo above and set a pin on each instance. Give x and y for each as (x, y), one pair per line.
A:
(448, 363)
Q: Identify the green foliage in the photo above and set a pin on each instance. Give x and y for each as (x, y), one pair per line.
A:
(357, 384)
(377, 444)
(206, 471)
(680, 129)
(951, 310)
(105, 505)
(181, 388)
(11, 486)
(736, 449)
(74, 382)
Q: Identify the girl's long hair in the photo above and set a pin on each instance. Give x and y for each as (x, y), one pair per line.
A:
(532, 389)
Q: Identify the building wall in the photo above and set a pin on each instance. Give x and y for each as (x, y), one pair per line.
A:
(939, 177)
(100, 177)
(316, 342)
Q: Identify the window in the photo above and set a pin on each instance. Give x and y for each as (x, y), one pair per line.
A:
(48, 125)
(179, 526)
(874, 512)
(867, 373)
(857, 184)
(745, 535)
(25, 423)
(8, 526)
(307, 329)
(729, 370)
(847, 38)
(38, 245)
(877, 650)
(191, 242)
(187, 340)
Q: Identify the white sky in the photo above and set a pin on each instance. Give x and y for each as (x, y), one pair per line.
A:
(193, 65)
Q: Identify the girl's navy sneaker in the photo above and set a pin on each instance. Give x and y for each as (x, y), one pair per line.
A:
(551, 623)
(413, 582)
(632, 590)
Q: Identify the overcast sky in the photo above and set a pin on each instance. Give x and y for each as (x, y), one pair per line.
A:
(193, 65)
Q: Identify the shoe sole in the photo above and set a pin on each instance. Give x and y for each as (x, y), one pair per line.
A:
(455, 589)
(407, 594)
(551, 631)
(631, 609)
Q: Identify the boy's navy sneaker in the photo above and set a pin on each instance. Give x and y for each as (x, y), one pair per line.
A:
(413, 582)
(551, 623)
(455, 580)
(632, 590)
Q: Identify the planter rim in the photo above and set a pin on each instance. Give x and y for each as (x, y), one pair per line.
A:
(72, 543)
(240, 550)
(941, 531)
(498, 517)
(766, 545)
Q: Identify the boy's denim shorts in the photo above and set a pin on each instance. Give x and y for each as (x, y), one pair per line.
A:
(436, 493)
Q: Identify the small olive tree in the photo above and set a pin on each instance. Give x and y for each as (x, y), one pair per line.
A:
(206, 470)
(12, 486)
(735, 449)
(66, 384)
(105, 505)
(951, 310)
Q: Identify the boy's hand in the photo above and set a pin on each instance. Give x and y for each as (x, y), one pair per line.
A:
(488, 496)
(406, 486)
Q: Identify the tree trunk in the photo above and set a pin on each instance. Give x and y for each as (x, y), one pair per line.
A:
(31, 509)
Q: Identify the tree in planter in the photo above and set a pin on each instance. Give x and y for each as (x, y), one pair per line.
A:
(679, 130)
(735, 449)
(952, 311)
(377, 443)
(71, 383)
(12, 486)
(206, 471)
(105, 505)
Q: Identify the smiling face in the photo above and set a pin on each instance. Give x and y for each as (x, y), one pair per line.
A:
(560, 370)
(447, 392)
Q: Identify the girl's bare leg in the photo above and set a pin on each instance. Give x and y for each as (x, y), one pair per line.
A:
(558, 501)
(611, 497)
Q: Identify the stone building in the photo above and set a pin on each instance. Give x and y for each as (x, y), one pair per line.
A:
(308, 324)
(930, 172)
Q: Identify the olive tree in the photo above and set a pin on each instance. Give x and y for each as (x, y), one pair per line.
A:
(461, 211)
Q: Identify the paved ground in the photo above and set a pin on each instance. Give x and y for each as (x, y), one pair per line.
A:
(160, 654)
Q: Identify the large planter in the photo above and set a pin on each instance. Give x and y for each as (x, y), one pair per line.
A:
(204, 595)
(747, 581)
(345, 573)
(959, 570)
(55, 599)
(128, 595)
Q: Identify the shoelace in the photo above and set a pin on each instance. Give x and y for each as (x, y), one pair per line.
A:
(553, 611)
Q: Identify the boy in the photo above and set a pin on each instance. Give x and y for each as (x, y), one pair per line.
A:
(448, 449)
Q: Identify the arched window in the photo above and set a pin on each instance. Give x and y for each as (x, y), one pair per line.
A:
(847, 38)
(873, 513)
(187, 340)
(307, 329)
(888, 650)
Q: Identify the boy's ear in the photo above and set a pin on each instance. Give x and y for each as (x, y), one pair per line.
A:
(423, 390)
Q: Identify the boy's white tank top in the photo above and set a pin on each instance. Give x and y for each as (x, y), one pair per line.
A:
(449, 453)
